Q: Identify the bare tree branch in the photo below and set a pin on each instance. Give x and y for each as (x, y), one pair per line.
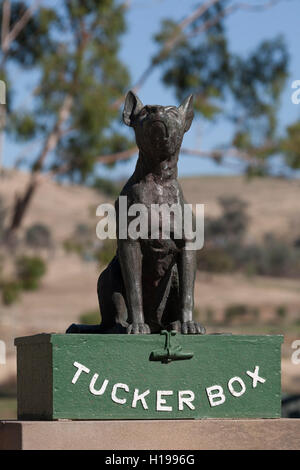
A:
(19, 25)
(54, 136)
(172, 42)
(217, 154)
(6, 11)
(210, 23)
(229, 10)
(169, 45)
(7, 37)
(258, 6)
(118, 156)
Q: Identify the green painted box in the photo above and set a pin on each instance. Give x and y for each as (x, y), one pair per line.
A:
(148, 376)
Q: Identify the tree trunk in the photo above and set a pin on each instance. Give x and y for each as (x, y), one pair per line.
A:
(2, 126)
(22, 202)
(21, 205)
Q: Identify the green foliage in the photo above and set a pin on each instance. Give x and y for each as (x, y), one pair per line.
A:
(224, 235)
(277, 258)
(80, 242)
(290, 145)
(200, 66)
(70, 246)
(281, 311)
(273, 257)
(257, 83)
(89, 70)
(10, 291)
(73, 50)
(256, 171)
(107, 251)
(242, 88)
(240, 312)
(206, 315)
(92, 317)
(231, 225)
(235, 311)
(29, 271)
(38, 236)
(26, 49)
(210, 315)
(107, 187)
(215, 259)
(23, 125)
(241, 140)
(225, 249)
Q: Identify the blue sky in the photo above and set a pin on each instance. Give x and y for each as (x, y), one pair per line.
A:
(245, 31)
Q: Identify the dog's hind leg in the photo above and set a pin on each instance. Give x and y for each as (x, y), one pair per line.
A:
(111, 295)
(112, 303)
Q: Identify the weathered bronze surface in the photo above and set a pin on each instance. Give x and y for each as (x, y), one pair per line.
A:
(149, 284)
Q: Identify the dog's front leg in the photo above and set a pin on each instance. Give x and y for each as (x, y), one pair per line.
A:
(130, 257)
(187, 273)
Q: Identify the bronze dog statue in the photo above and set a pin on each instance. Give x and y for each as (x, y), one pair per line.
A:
(149, 284)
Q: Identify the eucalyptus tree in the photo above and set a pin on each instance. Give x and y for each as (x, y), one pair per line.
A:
(72, 48)
(81, 84)
(196, 57)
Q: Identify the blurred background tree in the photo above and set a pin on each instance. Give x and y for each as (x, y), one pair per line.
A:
(74, 50)
(66, 84)
(228, 250)
(81, 84)
(195, 58)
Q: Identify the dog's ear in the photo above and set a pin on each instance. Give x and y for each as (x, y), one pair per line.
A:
(132, 107)
(187, 110)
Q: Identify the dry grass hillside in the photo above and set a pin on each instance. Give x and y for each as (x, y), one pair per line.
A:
(69, 287)
(59, 206)
(273, 204)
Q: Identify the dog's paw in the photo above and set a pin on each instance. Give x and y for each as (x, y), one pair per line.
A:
(175, 326)
(138, 329)
(192, 328)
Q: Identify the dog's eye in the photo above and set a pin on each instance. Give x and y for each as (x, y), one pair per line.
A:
(143, 112)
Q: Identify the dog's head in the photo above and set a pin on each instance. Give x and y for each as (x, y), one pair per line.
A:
(158, 129)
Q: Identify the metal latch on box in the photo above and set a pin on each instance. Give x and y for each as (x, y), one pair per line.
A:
(171, 352)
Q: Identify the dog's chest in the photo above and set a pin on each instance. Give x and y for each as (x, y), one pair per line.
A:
(150, 192)
(161, 247)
